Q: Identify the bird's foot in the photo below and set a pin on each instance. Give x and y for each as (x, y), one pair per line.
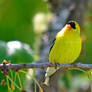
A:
(56, 65)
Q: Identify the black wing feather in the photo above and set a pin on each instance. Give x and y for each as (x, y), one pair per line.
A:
(53, 42)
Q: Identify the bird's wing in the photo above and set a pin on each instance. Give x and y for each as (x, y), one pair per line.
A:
(52, 44)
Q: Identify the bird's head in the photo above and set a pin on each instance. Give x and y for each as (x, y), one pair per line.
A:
(73, 26)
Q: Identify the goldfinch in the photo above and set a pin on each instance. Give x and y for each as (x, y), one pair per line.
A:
(66, 47)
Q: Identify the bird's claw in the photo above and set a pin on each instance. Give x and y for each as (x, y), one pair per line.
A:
(56, 65)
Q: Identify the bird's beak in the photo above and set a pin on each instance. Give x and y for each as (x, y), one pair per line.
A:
(68, 27)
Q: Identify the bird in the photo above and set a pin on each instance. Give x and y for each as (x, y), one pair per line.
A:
(65, 48)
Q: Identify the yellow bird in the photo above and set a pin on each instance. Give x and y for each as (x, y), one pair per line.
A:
(66, 47)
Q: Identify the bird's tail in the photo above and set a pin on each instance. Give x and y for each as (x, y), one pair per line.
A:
(50, 71)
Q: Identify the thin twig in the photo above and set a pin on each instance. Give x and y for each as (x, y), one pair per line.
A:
(42, 65)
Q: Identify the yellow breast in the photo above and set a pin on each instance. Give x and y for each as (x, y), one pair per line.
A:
(66, 49)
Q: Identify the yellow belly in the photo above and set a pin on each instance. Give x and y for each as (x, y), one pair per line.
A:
(65, 51)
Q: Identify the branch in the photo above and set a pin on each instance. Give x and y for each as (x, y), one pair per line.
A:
(4, 67)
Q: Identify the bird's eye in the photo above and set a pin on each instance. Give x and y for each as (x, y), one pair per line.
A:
(72, 24)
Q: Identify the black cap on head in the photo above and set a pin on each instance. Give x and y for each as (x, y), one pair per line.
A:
(72, 24)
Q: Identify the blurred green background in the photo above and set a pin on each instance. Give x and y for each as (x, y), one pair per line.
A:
(17, 33)
(22, 23)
